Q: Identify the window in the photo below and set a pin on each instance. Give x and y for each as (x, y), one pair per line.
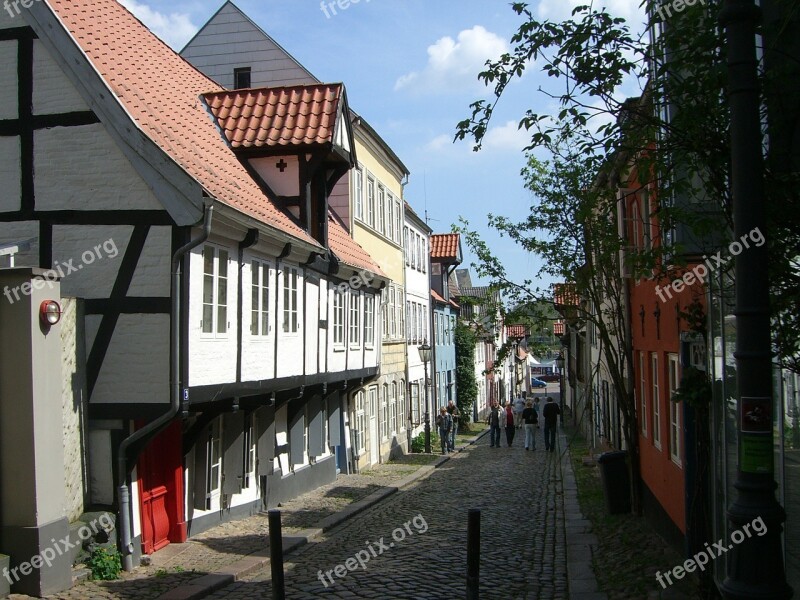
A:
(414, 319)
(425, 322)
(385, 411)
(413, 248)
(358, 193)
(401, 316)
(405, 246)
(215, 290)
(381, 208)
(390, 222)
(643, 394)
(290, 321)
(674, 411)
(361, 424)
(656, 401)
(213, 463)
(369, 320)
(338, 318)
(242, 79)
(355, 319)
(424, 256)
(452, 330)
(438, 339)
(391, 311)
(259, 311)
(250, 451)
(416, 405)
(370, 202)
(393, 408)
(402, 414)
(398, 218)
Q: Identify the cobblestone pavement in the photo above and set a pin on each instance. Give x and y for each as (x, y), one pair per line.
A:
(523, 552)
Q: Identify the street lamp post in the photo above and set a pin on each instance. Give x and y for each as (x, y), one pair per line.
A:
(425, 357)
(754, 567)
(560, 366)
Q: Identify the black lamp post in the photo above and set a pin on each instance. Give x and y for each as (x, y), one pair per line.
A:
(425, 357)
(560, 367)
(754, 567)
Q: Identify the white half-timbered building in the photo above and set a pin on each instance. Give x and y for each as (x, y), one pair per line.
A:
(191, 226)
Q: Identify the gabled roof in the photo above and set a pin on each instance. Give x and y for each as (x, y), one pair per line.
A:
(303, 115)
(160, 92)
(446, 247)
(516, 331)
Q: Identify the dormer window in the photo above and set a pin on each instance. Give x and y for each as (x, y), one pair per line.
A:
(242, 79)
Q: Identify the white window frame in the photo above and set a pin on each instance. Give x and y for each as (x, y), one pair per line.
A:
(674, 410)
(402, 414)
(369, 320)
(260, 278)
(217, 282)
(405, 246)
(361, 423)
(654, 389)
(291, 300)
(354, 325)
(213, 463)
(370, 201)
(250, 444)
(358, 193)
(384, 416)
(393, 408)
(424, 254)
(380, 205)
(398, 219)
(643, 394)
(339, 308)
(390, 216)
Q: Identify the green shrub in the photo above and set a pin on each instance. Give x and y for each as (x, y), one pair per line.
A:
(418, 442)
(104, 563)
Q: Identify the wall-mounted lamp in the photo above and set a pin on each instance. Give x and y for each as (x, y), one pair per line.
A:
(50, 312)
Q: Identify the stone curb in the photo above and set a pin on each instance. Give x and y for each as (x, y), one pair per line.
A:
(208, 584)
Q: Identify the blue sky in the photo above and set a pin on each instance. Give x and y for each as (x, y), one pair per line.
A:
(410, 68)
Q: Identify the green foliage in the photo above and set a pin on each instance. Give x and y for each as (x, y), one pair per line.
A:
(104, 563)
(695, 389)
(467, 386)
(418, 442)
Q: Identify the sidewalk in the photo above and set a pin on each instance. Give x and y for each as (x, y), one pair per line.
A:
(230, 551)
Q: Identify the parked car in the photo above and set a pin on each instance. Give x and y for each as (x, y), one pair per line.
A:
(538, 383)
(550, 377)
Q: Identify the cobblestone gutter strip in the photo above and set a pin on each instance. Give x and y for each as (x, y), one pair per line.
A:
(580, 541)
(203, 586)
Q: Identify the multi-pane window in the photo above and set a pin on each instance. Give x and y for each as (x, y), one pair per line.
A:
(415, 320)
(385, 410)
(215, 290)
(290, 319)
(425, 322)
(369, 320)
(213, 463)
(643, 393)
(398, 219)
(259, 310)
(416, 406)
(370, 202)
(674, 411)
(242, 78)
(390, 216)
(355, 319)
(381, 208)
(250, 451)
(402, 414)
(452, 330)
(338, 318)
(656, 401)
(405, 246)
(358, 193)
(393, 408)
(391, 311)
(361, 423)
(424, 255)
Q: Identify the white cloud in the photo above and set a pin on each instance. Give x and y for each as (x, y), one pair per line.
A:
(500, 140)
(176, 29)
(454, 65)
(508, 137)
(562, 9)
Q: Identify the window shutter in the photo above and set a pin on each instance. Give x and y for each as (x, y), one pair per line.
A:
(316, 427)
(297, 431)
(200, 470)
(265, 420)
(334, 419)
(233, 452)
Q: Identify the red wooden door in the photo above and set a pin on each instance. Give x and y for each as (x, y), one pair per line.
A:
(160, 471)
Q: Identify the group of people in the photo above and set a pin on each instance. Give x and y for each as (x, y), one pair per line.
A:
(447, 424)
(521, 414)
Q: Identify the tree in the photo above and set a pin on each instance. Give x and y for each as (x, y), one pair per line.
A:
(465, 341)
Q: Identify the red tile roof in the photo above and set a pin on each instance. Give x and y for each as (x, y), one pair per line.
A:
(437, 297)
(444, 246)
(455, 304)
(160, 91)
(516, 331)
(558, 328)
(348, 250)
(302, 115)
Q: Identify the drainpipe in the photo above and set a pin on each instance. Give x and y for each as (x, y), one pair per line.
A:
(155, 426)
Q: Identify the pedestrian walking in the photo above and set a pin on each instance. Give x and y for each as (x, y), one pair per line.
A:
(519, 406)
(550, 413)
(452, 410)
(496, 421)
(510, 429)
(445, 423)
(530, 419)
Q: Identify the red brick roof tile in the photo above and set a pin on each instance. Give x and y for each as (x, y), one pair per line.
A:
(516, 331)
(302, 115)
(161, 91)
(437, 297)
(348, 250)
(444, 246)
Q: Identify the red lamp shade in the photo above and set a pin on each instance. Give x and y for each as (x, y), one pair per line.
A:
(50, 312)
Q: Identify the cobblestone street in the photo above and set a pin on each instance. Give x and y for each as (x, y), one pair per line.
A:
(523, 549)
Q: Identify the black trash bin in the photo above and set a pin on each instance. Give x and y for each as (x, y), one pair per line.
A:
(616, 481)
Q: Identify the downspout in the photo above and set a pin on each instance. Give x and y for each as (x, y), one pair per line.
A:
(155, 426)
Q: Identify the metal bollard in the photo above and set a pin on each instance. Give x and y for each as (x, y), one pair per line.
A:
(473, 553)
(276, 555)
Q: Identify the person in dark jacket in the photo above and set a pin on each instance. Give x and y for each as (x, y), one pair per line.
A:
(550, 413)
(530, 419)
(510, 430)
(496, 421)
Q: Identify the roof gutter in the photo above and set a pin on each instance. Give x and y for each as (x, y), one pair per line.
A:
(154, 427)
